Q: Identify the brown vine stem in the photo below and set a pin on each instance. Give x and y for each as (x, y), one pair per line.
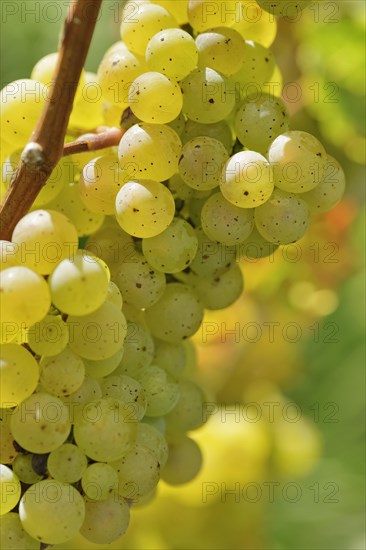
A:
(46, 144)
(93, 142)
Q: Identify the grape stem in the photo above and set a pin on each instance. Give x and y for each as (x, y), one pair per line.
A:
(46, 144)
(108, 137)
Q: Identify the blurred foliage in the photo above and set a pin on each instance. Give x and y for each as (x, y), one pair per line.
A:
(317, 288)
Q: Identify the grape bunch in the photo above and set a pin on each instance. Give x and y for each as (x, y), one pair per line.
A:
(107, 278)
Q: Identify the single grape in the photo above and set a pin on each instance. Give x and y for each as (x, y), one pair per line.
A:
(257, 69)
(129, 391)
(201, 163)
(256, 247)
(44, 237)
(87, 109)
(111, 244)
(13, 536)
(78, 285)
(153, 97)
(212, 258)
(172, 52)
(224, 222)
(104, 367)
(247, 180)
(298, 160)
(161, 391)
(203, 16)
(207, 96)
(52, 512)
(138, 350)
(98, 335)
(44, 71)
(106, 520)
(188, 413)
(329, 190)
(177, 315)
(62, 374)
(150, 437)
(49, 336)
(172, 250)
(259, 120)
(219, 130)
(41, 423)
(10, 489)
(218, 291)
(23, 469)
(104, 429)
(184, 461)
(283, 219)
(150, 151)
(138, 472)
(19, 375)
(67, 463)
(221, 49)
(170, 357)
(7, 449)
(99, 481)
(255, 25)
(284, 7)
(89, 390)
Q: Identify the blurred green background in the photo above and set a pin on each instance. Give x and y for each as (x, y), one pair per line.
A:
(294, 484)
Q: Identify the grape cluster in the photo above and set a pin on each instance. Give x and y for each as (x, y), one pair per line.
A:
(107, 278)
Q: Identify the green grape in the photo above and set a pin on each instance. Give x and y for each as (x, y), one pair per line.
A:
(112, 112)
(134, 315)
(298, 161)
(114, 295)
(78, 285)
(13, 536)
(111, 244)
(157, 422)
(70, 204)
(207, 97)
(329, 190)
(184, 461)
(99, 184)
(221, 49)
(191, 368)
(148, 20)
(178, 124)
(224, 222)
(89, 390)
(52, 512)
(49, 336)
(129, 391)
(44, 72)
(256, 247)
(173, 53)
(153, 97)
(254, 24)
(25, 300)
(150, 151)
(19, 374)
(139, 283)
(21, 104)
(188, 413)
(99, 481)
(62, 374)
(218, 291)
(67, 463)
(98, 335)
(44, 237)
(105, 521)
(179, 189)
(170, 357)
(104, 429)
(23, 469)
(87, 109)
(115, 73)
(219, 130)
(201, 163)
(257, 69)
(194, 211)
(144, 208)
(10, 489)
(7, 450)
(172, 250)
(283, 219)
(177, 9)
(104, 367)
(152, 439)
(41, 423)
(177, 315)
(285, 8)
(212, 258)
(62, 174)
(138, 472)
(259, 120)
(138, 350)
(162, 393)
(8, 254)
(247, 180)
(203, 15)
